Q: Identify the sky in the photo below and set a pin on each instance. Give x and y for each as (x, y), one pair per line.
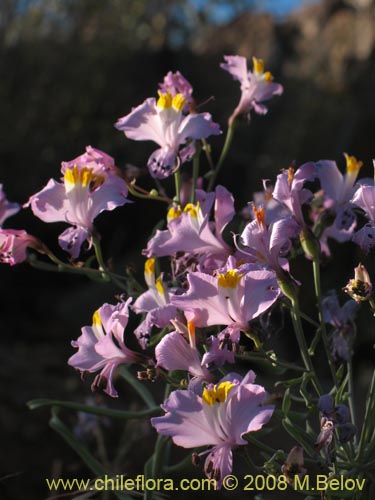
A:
(279, 8)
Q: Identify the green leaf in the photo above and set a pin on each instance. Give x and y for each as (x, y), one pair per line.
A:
(57, 425)
(95, 410)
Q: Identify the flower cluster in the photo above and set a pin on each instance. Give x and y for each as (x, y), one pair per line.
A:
(209, 291)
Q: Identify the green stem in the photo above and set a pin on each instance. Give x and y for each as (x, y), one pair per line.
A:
(195, 172)
(57, 425)
(177, 182)
(368, 419)
(63, 267)
(99, 254)
(147, 196)
(207, 151)
(94, 410)
(298, 330)
(318, 292)
(263, 356)
(224, 152)
(349, 366)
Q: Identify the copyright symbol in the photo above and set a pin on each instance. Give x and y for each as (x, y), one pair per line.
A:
(230, 482)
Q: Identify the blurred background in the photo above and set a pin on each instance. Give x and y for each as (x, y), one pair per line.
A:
(68, 70)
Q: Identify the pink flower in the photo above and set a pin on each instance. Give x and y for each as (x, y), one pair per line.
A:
(364, 198)
(163, 122)
(77, 200)
(14, 244)
(174, 352)
(232, 298)
(256, 86)
(338, 189)
(101, 346)
(221, 417)
(100, 163)
(268, 245)
(190, 231)
(155, 302)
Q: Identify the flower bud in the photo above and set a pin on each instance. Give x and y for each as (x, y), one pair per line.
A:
(359, 288)
(294, 465)
(309, 243)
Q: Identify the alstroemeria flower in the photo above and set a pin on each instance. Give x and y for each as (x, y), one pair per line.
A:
(338, 189)
(256, 86)
(14, 244)
(78, 200)
(163, 122)
(267, 245)
(174, 352)
(155, 302)
(232, 298)
(98, 161)
(364, 198)
(221, 349)
(101, 347)
(7, 208)
(220, 418)
(341, 318)
(289, 189)
(190, 231)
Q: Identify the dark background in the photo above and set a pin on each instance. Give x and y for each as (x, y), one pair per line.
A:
(68, 71)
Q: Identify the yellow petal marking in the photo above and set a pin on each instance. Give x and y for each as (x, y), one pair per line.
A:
(83, 176)
(192, 209)
(96, 318)
(217, 394)
(150, 266)
(352, 164)
(159, 286)
(165, 100)
(174, 213)
(290, 175)
(229, 279)
(178, 102)
(258, 65)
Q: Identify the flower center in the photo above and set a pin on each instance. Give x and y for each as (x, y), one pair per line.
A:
(166, 101)
(192, 209)
(216, 393)
(258, 65)
(84, 177)
(229, 279)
